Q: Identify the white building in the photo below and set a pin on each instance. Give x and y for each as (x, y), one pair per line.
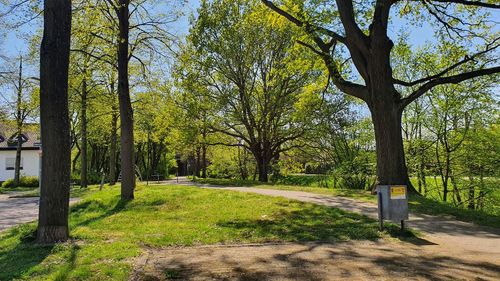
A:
(30, 154)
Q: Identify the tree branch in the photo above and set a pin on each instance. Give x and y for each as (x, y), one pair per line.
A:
(454, 79)
(470, 3)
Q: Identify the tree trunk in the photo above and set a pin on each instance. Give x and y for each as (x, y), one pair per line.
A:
(391, 165)
(126, 113)
(19, 121)
(263, 172)
(472, 194)
(55, 124)
(198, 162)
(17, 168)
(83, 133)
(75, 160)
(262, 166)
(204, 155)
(112, 150)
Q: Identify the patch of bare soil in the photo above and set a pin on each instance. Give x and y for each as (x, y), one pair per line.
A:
(356, 260)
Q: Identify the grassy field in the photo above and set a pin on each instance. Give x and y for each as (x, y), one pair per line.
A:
(107, 233)
(416, 203)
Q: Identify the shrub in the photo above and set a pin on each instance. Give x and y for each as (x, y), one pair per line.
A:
(92, 178)
(23, 182)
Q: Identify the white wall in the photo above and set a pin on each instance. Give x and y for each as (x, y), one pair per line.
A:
(30, 162)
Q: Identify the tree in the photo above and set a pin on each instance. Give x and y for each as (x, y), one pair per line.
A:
(246, 63)
(21, 106)
(54, 119)
(147, 32)
(364, 35)
(121, 8)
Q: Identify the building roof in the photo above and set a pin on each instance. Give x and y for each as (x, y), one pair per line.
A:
(8, 141)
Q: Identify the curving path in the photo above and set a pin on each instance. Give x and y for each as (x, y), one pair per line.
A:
(456, 237)
(14, 210)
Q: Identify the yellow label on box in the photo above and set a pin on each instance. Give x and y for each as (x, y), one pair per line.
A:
(398, 192)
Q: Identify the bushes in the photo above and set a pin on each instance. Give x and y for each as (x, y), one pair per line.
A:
(92, 178)
(23, 182)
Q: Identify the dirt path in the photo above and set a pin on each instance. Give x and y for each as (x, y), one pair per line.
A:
(359, 260)
(14, 211)
(450, 250)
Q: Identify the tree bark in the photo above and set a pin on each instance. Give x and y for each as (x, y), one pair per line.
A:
(126, 112)
(83, 133)
(204, 155)
(198, 162)
(204, 161)
(55, 124)
(391, 165)
(263, 171)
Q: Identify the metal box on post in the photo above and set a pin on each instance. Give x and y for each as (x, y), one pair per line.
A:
(392, 203)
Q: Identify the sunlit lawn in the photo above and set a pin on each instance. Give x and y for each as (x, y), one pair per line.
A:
(417, 204)
(107, 233)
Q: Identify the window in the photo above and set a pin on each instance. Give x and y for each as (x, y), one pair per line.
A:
(10, 163)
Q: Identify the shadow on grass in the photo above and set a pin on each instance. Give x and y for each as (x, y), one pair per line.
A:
(21, 254)
(315, 223)
(429, 206)
(96, 206)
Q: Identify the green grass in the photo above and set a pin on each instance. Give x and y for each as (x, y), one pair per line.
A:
(107, 233)
(429, 206)
(20, 192)
(418, 204)
(360, 194)
(491, 185)
(17, 189)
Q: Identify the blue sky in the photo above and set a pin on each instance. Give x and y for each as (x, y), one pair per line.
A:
(13, 44)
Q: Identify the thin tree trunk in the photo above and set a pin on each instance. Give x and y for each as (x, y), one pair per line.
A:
(204, 155)
(112, 150)
(472, 192)
(198, 162)
(19, 123)
(77, 156)
(126, 112)
(55, 124)
(83, 133)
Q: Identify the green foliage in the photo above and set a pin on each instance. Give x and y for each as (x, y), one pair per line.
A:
(92, 178)
(23, 182)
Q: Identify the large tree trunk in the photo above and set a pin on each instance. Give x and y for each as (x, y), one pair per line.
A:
(391, 165)
(126, 113)
(55, 125)
(263, 168)
(19, 123)
(83, 132)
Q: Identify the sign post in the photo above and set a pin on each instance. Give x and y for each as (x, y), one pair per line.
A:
(392, 204)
